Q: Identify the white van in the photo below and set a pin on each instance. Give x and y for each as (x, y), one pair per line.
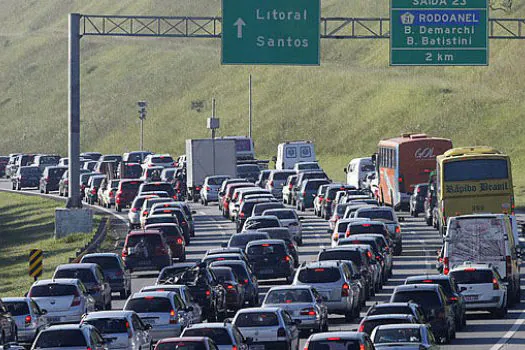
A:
(292, 152)
(484, 238)
(357, 171)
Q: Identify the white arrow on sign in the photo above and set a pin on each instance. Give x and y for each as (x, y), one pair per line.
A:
(239, 23)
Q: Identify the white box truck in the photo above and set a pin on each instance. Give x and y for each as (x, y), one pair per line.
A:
(200, 162)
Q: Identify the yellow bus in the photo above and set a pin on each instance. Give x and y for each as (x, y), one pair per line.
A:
(473, 180)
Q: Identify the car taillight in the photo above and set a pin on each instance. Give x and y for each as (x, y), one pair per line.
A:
(508, 265)
(241, 214)
(134, 210)
(174, 319)
(347, 233)
(93, 191)
(145, 213)
(234, 347)
(344, 289)
(333, 339)
(179, 241)
(128, 329)
(281, 332)
(495, 284)
(111, 194)
(271, 183)
(76, 299)
(304, 194)
(244, 282)
(208, 188)
(453, 299)
(361, 328)
(287, 258)
(446, 269)
(308, 312)
(398, 229)
(28, 319)
(230, 288)
(124, 253)
(328, 200)
(198, 188)
(208, 293)
(47, 179)
(290, 186)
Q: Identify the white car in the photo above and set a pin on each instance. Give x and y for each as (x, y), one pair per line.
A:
(192, 310)
(162, 160)
(288, 218)
(225, 335)
(271, 327)
(210, 188)
(64, 299)
(158, 309)
(482, 288)
(120, 329)
(69, 337)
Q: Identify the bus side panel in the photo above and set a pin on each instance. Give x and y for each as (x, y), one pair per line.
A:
(388, 186)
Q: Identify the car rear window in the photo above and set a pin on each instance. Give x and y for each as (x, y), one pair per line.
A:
(403, 310)
(427, 299)
(319, 275)
(153, 240)
(130, 185)
(224, 272)
(157, 187)
(61, 339)
(97, 181)
(280, 176)
(369, 325)
(472, 277)
(163, 159)
(282, 214)
(31, 171)
(219, 335)
(241, 240)
(257, 319)
(52, 290)
(376, 214)
(314, 185)
(109, 325)
(288, 296)
(105, 262)
(173, 272)
(181, 345)
(353, 255)
(407, 335)
(85, 275)
(266, 249)
(261, 223)
(56, 172)
(248, 169)
(335, 344)
(238, 269)
(216, 181)
(17, 308)
(149, 304)
(132, 170)
(366, 228)
(445, 284)
(169, 231)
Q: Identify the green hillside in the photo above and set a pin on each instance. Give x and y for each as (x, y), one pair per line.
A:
(346, 105)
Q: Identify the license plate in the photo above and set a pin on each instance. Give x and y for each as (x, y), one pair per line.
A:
(53, 319)
(256, 347)
(143, 263)
(471, 297)
(149, 320)
(266, 271)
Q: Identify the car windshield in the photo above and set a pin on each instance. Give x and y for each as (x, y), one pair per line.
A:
(224, 272)
(52, 290)
(342, 226)
(132, 170)
(314, 185)
(241, 240)
(472, 276)
(109, 325)
(149, 304)
(281, 214)
(137, 244)
(219, 335)
(335, 344)
(247, 169)
(105, 262)
(369, 325)
(181, 345)
(257, 319)
(376, 214)
(56, 172)
(238, 269)
(352, 255)
(254, 224)
(399, 335)
(17, 308)
(85, 275)
(319, 275)
(60, 339)
(402, 310)
(288, 296)
(266, 249)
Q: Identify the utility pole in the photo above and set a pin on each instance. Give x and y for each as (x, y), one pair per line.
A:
(142, 116)
(250, 107)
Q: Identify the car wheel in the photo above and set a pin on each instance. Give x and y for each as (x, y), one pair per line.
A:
(324, 328)
(108, 305)
(182, 258)
(349, 316)
(123, 294)
(118, 208)
(46, 190)
(500, 313)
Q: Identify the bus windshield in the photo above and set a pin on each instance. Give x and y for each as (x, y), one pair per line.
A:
(476, 169)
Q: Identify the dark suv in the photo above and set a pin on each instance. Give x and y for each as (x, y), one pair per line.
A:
(145, 249)
(417, 200)
(51, 178)
(433, 301)
(270, 259)
(327, 203)
(126, 192)
(26, 176)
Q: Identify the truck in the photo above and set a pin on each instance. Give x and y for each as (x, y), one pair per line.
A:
(200, 162)
(291, 152)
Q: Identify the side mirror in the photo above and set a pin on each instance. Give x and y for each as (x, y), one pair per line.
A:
(43, 312)
(344, 169)
(148, 327)
(194, 212)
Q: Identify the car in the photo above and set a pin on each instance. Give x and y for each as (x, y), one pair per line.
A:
(69, 336)
(389, 217)
(174, 237)
(375, 265)
(65, 300)
(289, 219)
(201, 343)
(144, 249)
(257, 222)
(287, 192)
(147, 204)
(451, 290)
(378, 258)
(225, 335)
(241, 239)
(246, 210)
(175, 207)
(339, 340)
(263, 178)
(129, 170)
(107, 191)
(306, 192)
(227, 196)
(417, 199)
(284, 234)
(318, 198)
(134, 213)
(332, 280)
(160, 310)
(42, 161)
(120, 329)
(259, 208)
(114, 271)
(89, 165)
(153, 186)
(210, 188)
(9, 325)
(50, 178)
(383, 247)
(404, 336)
(159, 160)
(433, 301)
(135, 156)
(23, 160)
(482, 287)
(91, 191)
(270, 259)
(234, 290)
(271, 327)
(245, 277)
(84, 180)
(238, 196)
(430, 208)
(3, 163)
(190, 309)
(304, 176)
(91, 155)
(93, 279)
(168, 274)
(303, 303)
(223, 186)
(227, 250)
(339, 231)
(176, 216)
(328, 202)
(63, 184)
(338, 213)
(26, 176)
(126, 193)
(9, 166)
(369, 323)
(303, 166)
(208, 259)
(276, 182)
(248, 171)
(153, 173)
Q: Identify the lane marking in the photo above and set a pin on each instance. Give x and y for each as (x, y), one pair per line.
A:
(503, 340)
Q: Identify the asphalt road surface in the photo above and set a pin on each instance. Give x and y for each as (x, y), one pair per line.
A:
(420, 243)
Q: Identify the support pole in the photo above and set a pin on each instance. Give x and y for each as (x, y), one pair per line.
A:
(74, 200)
(250, 108)
(141, 134)
(213, 133)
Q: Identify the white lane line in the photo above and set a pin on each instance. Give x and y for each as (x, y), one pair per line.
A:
(503, 340)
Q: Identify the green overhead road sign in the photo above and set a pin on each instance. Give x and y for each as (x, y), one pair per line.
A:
(271, 32)
(439, 32)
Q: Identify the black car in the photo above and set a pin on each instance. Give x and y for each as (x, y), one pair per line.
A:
(407, 308)
(433, 301)
(158, 186)
(234, 290)
(263, 178)
(206, 290)
(170, 273)
(26, 176)
(246, 277)
(240, 240)
(450, 287)
(284, 234)
(417, 199)
(248, 171)
(51, 178)
(270, 259)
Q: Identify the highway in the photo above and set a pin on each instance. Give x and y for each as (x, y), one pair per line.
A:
(420, 243)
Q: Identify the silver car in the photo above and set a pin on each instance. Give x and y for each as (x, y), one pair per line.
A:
(303, 303)
(64, 299)
(191, 310)
(159, 310)
(135, 210)
(120, 329)
(404, 336)
(69, 337)
(276, 182)
(28, 316)
(290, 219)
(210, 188)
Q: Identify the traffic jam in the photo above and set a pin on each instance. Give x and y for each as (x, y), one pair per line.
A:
(217, 302)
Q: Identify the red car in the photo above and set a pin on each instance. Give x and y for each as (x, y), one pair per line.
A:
(126, 193)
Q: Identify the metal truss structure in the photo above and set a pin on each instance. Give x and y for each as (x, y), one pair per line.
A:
(210, 27)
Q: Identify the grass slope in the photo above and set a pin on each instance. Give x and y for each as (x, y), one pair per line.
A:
(346, 105)
(28, 223)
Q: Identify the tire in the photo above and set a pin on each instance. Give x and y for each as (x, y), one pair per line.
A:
(123, 294)
(108, 305)
(324, 328)
(46, 190)
(182, 258)
(118, 208)
(349, 316)
(500, 313)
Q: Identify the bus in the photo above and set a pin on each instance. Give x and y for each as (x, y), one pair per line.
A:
(473, 180)
(403, 162)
